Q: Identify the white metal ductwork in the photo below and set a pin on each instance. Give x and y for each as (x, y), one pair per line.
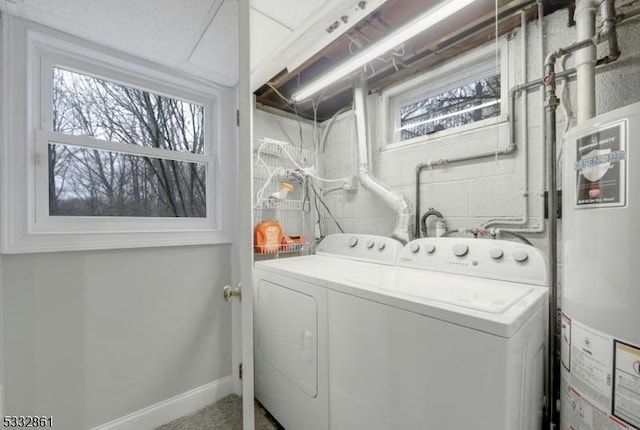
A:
(403, 208)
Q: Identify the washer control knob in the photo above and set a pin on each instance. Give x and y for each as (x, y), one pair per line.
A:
(460, 249)
(353, 241)
(430, 248)
(520, 255)
(414, 247)
(370, 243)
(496, 253)
(381, 245)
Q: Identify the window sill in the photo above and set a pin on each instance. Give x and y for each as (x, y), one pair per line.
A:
(51, 242)
(443, 135)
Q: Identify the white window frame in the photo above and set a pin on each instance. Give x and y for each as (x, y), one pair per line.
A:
(29, 54)
(437, 81)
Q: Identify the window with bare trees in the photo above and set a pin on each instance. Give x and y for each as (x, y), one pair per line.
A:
(464, 104)
(103, 150)
(95, 182)
(467, 92)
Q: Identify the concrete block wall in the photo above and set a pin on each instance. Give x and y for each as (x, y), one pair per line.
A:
(470, 193)
(299, 134)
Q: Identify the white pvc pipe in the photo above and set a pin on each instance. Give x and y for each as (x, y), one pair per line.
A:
(525, 123)
(585, 17)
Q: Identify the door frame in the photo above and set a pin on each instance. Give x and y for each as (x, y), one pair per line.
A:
(244, 237)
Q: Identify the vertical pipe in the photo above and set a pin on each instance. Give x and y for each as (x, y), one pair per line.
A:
(416, 233)
(585, 17)
(552, 103)
(543, 155)
(524, 144)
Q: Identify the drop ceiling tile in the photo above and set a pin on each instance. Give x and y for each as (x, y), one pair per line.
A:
(143, 25)
(218, 48)
(162, 31)
(266, 36)
(290, 13)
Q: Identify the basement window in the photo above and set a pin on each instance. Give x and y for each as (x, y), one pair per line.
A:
(465, 93)
(102, 150)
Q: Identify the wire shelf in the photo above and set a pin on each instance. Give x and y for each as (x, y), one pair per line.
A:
(304, 248)
(277, 148)
(280, 205)
(261, 172)
(273, 164)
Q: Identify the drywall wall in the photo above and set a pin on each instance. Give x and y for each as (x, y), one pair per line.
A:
(470, 193)
(94, 336)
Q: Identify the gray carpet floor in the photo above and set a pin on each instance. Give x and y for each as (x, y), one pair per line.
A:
(225, 414)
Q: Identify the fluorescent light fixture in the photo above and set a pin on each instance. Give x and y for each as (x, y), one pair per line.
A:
(449, 115)
(404, 33)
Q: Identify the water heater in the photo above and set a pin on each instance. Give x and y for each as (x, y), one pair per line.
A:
(600, 320)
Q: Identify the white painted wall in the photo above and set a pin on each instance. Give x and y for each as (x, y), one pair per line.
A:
(284, 128)
(94, 336)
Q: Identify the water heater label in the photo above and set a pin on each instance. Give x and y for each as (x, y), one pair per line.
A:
(601, 167)
(600, 388)
(626, 383)
(591, 365)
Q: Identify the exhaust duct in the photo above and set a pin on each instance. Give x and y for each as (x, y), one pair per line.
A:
(402, 207)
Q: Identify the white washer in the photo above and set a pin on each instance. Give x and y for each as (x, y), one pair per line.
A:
(291, 327)
(452, 338)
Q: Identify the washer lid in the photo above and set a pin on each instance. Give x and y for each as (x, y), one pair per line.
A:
(492, 306)
(473, 293)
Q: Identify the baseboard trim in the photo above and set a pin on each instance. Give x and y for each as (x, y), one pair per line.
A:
(168, 410)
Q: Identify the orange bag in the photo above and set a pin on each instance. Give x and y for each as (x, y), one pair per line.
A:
(267, 237)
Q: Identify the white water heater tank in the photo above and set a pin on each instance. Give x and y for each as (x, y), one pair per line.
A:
(600, 321)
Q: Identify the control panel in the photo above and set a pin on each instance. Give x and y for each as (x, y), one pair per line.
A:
(486, 258)
(366, 247)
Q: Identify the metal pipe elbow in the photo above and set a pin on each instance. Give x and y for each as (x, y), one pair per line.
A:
(423, 219)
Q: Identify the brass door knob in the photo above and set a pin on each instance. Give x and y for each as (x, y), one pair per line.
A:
(229, 293)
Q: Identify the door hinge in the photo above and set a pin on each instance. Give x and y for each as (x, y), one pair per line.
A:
(238, 117)
(240, 370)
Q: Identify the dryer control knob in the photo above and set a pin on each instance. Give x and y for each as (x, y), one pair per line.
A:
(430, 248)
(414, 247)
(460, 249)
(370, 243)
(353, 241)
(381, 245)
(496, 253)
(520, 255)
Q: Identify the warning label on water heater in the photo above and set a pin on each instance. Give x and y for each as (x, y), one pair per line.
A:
(600, 389)
(601, 167)
(626, 387)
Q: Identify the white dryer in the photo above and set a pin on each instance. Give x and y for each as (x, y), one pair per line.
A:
(453, 338)
(291, 326)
